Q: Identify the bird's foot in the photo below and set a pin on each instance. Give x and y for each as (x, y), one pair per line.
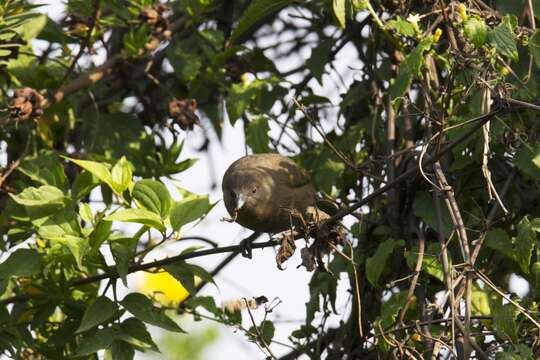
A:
(245, 248)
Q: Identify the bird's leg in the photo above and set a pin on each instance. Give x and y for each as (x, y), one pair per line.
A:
(245, 247)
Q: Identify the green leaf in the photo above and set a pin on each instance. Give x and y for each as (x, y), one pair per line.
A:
(123, 249)
(423, 208)
(77, 245)
(121, 174)
(186, 63)
(338, 7)
(207, 302)
(189, 209)
(504, 318)
(99, 170)
(319, 58)
(475, 30)
(99, 311)
(84, 183)
(239, 99)
(430, 263)
(185, 273)
(377, 263)
(22, 262)
(534, 47)
(402, 27)
(390, 309)
(85, 212)
(154, 196)
(31, 29)
(525, 243)
(121, 350)
(504, 41)
(480, 302)
(409, 69)
(527, 159)
(45, 169)
(59, 224)
(256, 11)
(498, 240)
(134, 331)
(45, 195)
(136, 39)
(139, 216)
(257, 134)
(266, 329)
(90, 344)
(142, 308)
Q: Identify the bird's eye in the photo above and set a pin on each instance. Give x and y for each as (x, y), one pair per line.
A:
(254, 190)
(233, 194)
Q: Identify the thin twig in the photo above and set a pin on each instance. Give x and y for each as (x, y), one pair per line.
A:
(414, 280)
(85, 43)
(259, 335)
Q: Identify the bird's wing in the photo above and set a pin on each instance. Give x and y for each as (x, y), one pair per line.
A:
(296, 176)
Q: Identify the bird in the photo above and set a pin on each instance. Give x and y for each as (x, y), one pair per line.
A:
(270, 193)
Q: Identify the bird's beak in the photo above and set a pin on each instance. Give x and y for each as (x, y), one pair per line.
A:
(240, 201)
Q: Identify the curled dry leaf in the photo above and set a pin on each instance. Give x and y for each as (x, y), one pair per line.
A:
(155, 16)
(286, 250)
(235, 305)
(183, 113)
(25, 104)
(308, 260)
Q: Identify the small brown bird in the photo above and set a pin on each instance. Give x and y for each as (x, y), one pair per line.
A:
(269, 193)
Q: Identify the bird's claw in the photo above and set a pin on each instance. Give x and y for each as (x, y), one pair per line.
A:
(246, 249)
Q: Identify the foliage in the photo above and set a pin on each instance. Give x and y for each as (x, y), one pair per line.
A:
(448, 88)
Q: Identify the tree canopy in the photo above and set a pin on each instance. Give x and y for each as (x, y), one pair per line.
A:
(419, 120)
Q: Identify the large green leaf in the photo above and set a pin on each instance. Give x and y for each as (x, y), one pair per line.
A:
(504, 317)
(120, 350)
(527, 159)
(423, 208)
(319, 58)
(476, 31)
(45, 195)
(185, 273)
(133, 331)
(84, 183)
(189, 209)
(123, 249)
(100, 310)
(257, 134)
(525, 243)
(338, 7)
(121, 174)
(256, 11)
(153, 195)
(504, 41)
(142, 308)
(139, 216)
(92, 343)
(534, 47)
(378, 262)
(45, 169)
(266, 328)
(22, 262)
(99, 170)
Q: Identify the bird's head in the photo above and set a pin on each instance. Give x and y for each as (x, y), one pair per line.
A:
(240, 193)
